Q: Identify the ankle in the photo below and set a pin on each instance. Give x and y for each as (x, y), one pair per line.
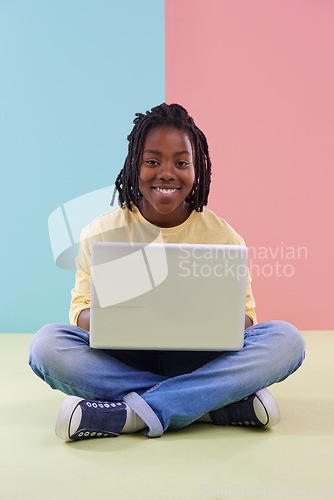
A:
(205, 419)
(133, 422)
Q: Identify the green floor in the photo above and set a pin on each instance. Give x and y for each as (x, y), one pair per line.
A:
(294, 459)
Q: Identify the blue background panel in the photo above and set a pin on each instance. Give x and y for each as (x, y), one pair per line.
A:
(73, 75)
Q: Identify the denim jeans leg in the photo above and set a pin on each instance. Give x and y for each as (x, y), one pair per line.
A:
(272, 351)
(61, 356)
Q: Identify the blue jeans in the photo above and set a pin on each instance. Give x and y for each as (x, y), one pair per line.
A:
(167, 389)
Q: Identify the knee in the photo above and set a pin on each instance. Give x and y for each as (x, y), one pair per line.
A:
(291, 338)
(39, 344)
(43, 345)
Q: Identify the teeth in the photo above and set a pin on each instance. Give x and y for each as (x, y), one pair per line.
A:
(166, 191)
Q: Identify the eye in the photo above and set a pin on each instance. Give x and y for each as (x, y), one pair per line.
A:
(151, 162)
(182, 163)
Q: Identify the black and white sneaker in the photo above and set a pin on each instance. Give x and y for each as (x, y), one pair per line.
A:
(257, 410)
(81, 419)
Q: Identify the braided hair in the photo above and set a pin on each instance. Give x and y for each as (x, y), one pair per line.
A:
(164, 115)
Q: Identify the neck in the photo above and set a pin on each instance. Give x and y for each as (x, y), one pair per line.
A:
(172, 219)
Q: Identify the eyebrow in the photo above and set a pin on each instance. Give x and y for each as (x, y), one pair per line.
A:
(152, 151)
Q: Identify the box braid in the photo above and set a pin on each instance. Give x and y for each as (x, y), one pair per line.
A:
(164, 115)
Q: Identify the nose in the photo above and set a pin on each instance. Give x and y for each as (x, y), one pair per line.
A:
(166, 171)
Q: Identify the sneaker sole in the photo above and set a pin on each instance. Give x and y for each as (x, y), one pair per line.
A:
(64, 417)
(270, 406)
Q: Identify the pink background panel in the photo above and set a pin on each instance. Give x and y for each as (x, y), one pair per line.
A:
(258, 78)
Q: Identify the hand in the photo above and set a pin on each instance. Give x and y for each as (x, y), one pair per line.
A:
(84, 319)
(248, 322)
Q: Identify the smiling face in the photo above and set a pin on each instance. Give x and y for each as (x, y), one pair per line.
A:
(166, 176)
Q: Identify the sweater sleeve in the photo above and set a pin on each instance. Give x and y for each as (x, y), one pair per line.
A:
(81, 291)
(250, 302)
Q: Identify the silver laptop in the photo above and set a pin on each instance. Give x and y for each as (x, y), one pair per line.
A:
(168, 296)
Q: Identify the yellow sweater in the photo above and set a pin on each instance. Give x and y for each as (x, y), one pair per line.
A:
(121, 224)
